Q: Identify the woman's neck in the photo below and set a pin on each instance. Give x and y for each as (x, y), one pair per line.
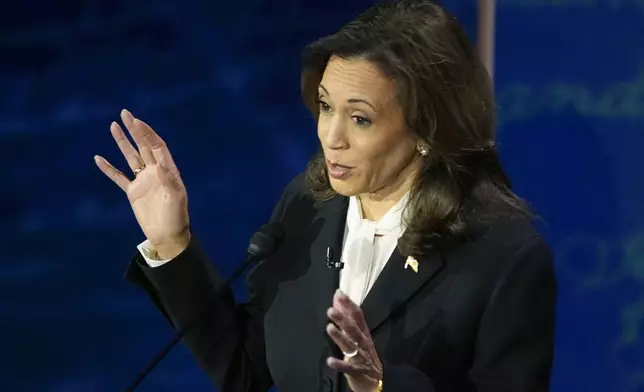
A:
(376, 204)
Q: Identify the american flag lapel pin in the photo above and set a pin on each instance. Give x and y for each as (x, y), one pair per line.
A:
(412, 262)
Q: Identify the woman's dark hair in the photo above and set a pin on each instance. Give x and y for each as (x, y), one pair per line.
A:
(446, 95)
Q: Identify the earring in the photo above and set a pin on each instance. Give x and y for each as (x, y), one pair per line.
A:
(422, 150)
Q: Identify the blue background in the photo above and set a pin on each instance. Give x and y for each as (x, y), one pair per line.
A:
(220, 82)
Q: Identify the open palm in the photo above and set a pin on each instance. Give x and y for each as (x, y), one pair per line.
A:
(157, 194)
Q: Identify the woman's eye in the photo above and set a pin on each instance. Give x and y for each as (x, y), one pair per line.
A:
(324, 107)
(361, 121)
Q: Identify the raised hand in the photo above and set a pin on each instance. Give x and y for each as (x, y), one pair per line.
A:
(157, 194)
(361, 365)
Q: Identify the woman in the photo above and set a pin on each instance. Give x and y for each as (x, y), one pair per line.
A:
(446, 286)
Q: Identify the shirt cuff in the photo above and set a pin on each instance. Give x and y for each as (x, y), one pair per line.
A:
(150, 255)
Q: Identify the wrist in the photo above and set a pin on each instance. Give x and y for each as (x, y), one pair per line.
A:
(170, 249)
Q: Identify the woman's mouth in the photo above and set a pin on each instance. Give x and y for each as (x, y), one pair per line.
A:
(338, 171)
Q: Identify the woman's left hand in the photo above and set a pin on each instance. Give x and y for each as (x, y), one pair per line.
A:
(363, 369)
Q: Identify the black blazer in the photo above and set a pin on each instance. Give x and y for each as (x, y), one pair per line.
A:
(478, 316)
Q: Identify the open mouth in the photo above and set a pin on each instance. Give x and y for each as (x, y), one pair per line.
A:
(338, 171)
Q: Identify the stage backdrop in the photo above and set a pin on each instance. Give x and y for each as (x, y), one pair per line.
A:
(220, 83)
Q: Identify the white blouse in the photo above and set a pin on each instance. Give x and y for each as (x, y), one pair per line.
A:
(367, 247)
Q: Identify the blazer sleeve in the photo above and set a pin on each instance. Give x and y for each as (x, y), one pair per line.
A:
(515, 341)
(228, 341)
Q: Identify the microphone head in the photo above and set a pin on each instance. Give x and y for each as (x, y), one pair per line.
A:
(265, 241)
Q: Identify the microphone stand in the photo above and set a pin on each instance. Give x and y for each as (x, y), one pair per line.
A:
(182, 331)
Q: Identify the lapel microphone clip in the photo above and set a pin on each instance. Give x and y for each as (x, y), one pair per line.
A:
(331, 263)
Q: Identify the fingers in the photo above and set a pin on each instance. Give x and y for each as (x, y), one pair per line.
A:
(151, 138)
(350, 333)
(344, 304)
(147, 155)
(351, 368)
(157, 145)
(345, 343)
(141, 136)
(350, 329)
(113, 174)
(130, 153)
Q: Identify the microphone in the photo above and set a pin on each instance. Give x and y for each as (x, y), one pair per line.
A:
(262, 244)
(331, 262)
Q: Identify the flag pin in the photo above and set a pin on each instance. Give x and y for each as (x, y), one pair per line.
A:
(412, 262)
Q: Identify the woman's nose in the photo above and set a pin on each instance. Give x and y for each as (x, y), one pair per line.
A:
(336, 134)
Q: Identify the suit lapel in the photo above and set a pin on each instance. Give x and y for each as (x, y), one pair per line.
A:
(330, 220)
(395, 286)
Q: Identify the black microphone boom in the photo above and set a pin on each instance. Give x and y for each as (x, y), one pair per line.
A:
(263, 243)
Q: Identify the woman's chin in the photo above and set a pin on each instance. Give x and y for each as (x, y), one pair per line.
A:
(347, 187)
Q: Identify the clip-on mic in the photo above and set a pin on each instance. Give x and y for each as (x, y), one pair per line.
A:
(331, 263)
(263, 243)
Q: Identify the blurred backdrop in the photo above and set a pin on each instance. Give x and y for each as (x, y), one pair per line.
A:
(220, 82)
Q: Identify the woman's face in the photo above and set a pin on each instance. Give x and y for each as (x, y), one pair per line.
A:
(362, 130)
